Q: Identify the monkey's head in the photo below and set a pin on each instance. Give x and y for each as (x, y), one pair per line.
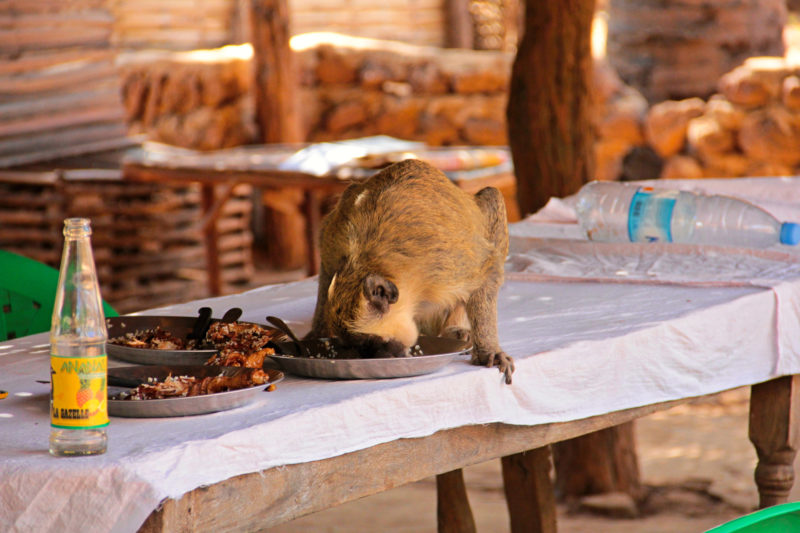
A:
(368, 313)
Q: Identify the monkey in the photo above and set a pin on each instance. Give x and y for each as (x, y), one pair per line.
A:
(407, 252)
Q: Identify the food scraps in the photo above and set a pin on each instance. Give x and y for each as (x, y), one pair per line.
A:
(186, 386)
(239, 344)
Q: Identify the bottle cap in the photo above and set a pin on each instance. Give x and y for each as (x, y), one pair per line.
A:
(790, 233)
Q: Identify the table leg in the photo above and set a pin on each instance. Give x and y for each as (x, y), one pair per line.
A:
(773, 432)
(210, 234)
(529, 491)
(452, 505)
(313, 212)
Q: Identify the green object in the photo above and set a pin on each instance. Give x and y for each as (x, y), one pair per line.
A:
(776, 519)
(27, 296)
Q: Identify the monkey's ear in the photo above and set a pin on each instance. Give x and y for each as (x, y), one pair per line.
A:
(380, 292)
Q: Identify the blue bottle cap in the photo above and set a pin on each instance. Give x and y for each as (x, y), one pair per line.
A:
(790, 233)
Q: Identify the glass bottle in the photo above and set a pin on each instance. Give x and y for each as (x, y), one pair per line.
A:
(78, 362)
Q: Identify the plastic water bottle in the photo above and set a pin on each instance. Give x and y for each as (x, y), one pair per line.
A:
(78, 362)
(619, 212)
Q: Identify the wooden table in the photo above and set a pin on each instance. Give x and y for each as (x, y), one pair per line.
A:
(773, 430)
(277, 495)
(589, 355)
(292, 488)
(219, 172)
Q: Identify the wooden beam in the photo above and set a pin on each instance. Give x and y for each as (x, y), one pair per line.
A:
(460, 31)
(258, 178)
(276, 82)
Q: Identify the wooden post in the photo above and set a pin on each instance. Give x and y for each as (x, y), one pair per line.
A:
(773, 432)
(285, 227)
(529, 491)
(312, 207)
(460, 31)
(276, 84)
(452, 505)
(278, 116)
(211, 235)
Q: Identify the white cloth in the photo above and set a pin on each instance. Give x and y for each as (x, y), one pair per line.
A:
(580, 348)
(321, 158)
(554, 249)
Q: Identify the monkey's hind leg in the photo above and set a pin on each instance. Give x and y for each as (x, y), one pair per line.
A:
(456, 326)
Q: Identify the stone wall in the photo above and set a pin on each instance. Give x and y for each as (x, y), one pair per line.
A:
(350, 87)
(680, 48)
(356, 87)
(751, 127)
(199, 99)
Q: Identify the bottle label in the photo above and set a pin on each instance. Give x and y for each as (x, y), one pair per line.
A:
(78, 392)
(650, 215)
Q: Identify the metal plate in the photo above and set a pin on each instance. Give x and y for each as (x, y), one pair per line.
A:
(438, 351)
(180, 326)
(193, 405)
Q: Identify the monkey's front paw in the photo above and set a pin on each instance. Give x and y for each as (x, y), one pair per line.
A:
(500, 359)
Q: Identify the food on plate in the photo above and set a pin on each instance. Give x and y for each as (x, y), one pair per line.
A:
(153, 339)
(234, 358)
(335, 349)
(239, 344)
(184, 386)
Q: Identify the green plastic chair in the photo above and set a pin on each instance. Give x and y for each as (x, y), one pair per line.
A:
(776, 519)
(27, 296)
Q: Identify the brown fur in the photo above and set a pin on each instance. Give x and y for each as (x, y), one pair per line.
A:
(408, 252)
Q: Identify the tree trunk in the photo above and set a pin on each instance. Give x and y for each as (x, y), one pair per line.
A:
(548, 111)
(600, 462)
(551, 142)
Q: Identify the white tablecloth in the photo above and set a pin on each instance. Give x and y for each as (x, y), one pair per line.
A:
(581, 349)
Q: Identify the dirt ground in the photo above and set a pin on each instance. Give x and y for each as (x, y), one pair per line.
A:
(696, 462)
